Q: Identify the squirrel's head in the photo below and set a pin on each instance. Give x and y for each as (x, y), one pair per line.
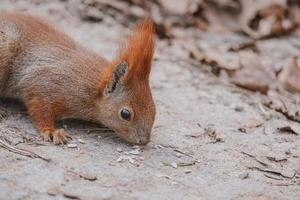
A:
(126, 104)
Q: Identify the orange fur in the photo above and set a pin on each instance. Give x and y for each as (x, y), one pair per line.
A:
(44, 115)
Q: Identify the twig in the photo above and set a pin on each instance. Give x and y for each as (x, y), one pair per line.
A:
(22, 152)
(272, 177)
(84, 176)
(71, 196)
(257, 160)
(273, 172)
(185, 164)
(242, 46)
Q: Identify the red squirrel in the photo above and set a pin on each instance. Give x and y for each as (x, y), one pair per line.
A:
(56, 78)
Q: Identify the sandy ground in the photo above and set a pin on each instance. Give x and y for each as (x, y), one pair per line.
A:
(211, 140)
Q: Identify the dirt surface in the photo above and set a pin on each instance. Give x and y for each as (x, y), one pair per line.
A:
(211, 139)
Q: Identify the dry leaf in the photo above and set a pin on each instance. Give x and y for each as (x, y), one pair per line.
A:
(284, 103)
(290, 75)
(260, 19)
(252, 76)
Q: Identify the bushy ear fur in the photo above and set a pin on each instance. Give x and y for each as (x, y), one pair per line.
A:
(137, 51)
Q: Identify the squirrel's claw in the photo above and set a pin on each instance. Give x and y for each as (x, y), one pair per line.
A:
(46, 136)
(57, 137)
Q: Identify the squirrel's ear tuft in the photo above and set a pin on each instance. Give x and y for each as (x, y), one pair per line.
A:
(138, 50)
(134, 60)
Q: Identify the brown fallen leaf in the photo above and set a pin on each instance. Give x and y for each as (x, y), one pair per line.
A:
(290, 75)
(219, 60)
(224, 60)
(252, 76)
(268, 18)
(284, 103)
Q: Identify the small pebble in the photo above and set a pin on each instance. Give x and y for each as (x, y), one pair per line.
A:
(88, 177)
(239, 109)
(174, 183)
(163, 176)
(81, 141)
(187, 171)
(243, 130)
(174, 165)
(72, 145)
(53, 191)
(135, 152)
(141, 158)
(178, 155)
(119, 150)
(244, 175)
(126, 158)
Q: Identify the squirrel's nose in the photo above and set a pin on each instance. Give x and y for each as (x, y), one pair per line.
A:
(144, 141)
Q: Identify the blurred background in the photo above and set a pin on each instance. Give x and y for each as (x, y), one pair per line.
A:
(226, 83)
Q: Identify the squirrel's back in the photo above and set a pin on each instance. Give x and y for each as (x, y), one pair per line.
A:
(34, 54)
(29, 30)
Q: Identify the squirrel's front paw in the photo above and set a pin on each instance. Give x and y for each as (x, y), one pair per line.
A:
(57, 136)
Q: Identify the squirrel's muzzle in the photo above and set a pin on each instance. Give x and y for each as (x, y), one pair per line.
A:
(138, 137)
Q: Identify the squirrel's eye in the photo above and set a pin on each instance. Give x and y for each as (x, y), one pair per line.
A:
(125, 114)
